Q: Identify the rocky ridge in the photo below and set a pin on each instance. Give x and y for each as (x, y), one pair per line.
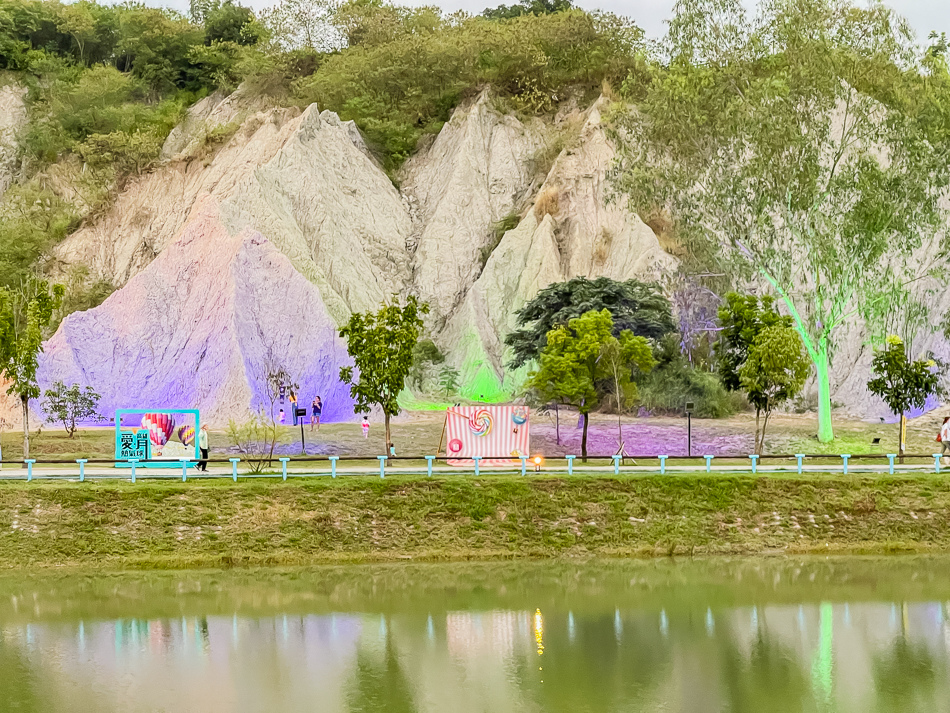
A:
(296, 196)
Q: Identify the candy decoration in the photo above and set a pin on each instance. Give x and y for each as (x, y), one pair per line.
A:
(186, 434)
(455, 445)
(160, 427)
(519, 415)
(481, 422)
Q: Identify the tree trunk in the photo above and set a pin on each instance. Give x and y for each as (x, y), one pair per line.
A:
(902, 437)
(765, 425)
(584, 440)
(755, 448)
(25, 403)
(826, 432)
(386, 417)
(557, 425)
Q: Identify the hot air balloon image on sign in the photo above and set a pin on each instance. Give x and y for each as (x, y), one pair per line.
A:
(186, 434)
(496, 434)
(160, 427)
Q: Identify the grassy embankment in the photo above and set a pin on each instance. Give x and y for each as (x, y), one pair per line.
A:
(367, 519)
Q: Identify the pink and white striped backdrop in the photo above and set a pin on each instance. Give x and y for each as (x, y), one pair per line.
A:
(499, 434)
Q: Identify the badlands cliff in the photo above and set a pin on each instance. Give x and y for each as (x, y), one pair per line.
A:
(265, 227)
(230, 259)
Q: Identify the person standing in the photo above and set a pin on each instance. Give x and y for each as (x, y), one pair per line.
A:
(316, 410)
(203, 447)
(365, 426)
(944, 438)
(293, 405)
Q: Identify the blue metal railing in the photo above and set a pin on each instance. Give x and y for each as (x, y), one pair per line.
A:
(845, 464)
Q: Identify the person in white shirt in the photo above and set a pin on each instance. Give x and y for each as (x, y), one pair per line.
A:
(203, 446)
(945, 437)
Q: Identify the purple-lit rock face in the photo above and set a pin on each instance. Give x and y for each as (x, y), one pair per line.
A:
(201, 327)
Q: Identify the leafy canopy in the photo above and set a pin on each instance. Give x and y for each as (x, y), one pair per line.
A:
(903, 384)
(742, 318)
(381, 346)
(775, 369)
(583, 362)
(808, 148)
(632, 305)
(70, 405)
(24, 314)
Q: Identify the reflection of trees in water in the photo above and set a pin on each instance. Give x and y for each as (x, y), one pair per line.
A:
(905, 678)
(768, 679)
(19, 689)
(598, 670)
(379, 682)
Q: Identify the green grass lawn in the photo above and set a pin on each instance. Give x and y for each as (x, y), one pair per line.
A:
(355, 519)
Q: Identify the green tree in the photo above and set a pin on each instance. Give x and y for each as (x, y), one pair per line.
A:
(901, 383)
(425, 355)
(741, 319)
(633, 305)
(381, 345)
(449, 380)
(774, 372)
(69, 405)
(228, 22)
(809, 149)
(574, 366)
(528, 7)
(749, 325)
(24, 314)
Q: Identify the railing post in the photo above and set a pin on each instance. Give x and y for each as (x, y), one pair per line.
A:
(333, 460)
(429, 460)
(382, 466)
(283, 466)
(570, 464)
(799, 457)
(184, 470)
(662, 464)
(134, 462)
(937, 457)
(844, 462)
(477, 459)
(755, 462)
(29, 468)
(890, 461)
(82, 468)
(709, 463)
(616, 465)
(234, 462)
(524, 465)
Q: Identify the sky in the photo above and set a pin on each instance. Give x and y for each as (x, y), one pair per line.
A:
(924, 15)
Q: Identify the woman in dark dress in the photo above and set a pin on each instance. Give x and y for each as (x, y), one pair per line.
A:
(317, 409)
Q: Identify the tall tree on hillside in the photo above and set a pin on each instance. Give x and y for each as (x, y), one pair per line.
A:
(24, 314)
(382, 345)
(633, 305)
(901, 383)
(808, 148)
(583, 360)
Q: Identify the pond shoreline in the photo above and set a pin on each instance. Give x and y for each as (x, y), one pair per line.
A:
(114, 526)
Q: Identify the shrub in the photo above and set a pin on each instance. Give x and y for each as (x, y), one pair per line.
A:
(548, 203)
(255, 440)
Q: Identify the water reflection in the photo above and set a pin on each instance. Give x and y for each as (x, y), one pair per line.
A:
(698, 655)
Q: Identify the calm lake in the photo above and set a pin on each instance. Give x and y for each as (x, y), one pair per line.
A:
(757, 635)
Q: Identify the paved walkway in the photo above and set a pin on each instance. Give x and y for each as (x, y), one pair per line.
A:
(11, 471)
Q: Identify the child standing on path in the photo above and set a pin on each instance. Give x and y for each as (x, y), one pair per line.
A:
(365, 426)
(944, 438)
